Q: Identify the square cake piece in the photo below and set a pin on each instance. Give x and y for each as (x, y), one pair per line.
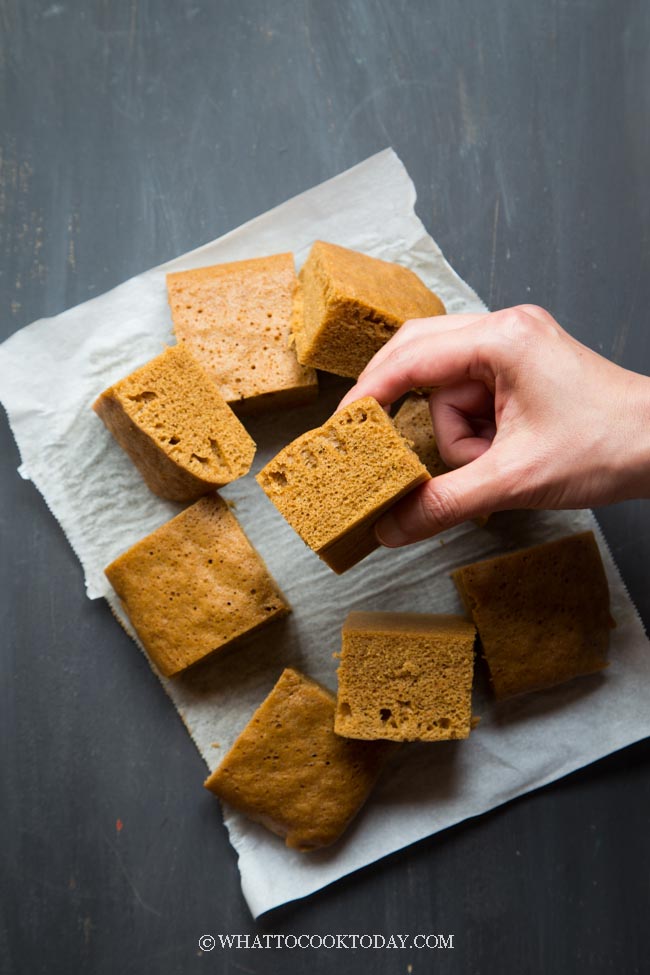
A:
(350, 304)
(413, 420)
(405, 677)
(332, 483)
(236, 321)
(542, 613)
(289, 771)
(176, 427)
(194, 585)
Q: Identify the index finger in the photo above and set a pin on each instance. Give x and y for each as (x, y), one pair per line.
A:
(416, 327)
(427, 360)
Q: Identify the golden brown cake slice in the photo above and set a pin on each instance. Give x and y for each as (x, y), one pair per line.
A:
(413, 420)
(194, 585)
(236, 321)
(542, 613)
(333, 483)
(350, 304)
(405, 677)
(176, 427)
(289, 771)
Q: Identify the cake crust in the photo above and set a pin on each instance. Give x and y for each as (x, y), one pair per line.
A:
(176, 427)
(542, 613)
(195, 585)
(349, 305)
(289, 771)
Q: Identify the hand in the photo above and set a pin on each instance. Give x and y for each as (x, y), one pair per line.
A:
(528, 416)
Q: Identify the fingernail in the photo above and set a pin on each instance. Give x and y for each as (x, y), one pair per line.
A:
(389, 533)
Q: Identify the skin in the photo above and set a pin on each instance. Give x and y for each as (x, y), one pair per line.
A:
(527, 416)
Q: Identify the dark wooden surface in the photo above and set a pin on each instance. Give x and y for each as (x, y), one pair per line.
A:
(132, 132)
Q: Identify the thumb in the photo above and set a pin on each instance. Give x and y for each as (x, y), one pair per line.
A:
(444, 501)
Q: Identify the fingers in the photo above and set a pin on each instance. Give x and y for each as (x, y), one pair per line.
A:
(463, 420)
(443, 502)
(442, 350)
(419, 328)
(438, 359)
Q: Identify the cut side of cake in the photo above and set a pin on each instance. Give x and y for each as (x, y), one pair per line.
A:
(405, 677)
(332, 483)
(350, 304)
(236, 319)
(175, 426)
(542, 613)
(289, 771)
(194, 586)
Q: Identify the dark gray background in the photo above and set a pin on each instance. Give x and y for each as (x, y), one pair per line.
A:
(134, 131)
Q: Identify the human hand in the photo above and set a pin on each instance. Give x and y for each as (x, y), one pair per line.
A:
(528, 416)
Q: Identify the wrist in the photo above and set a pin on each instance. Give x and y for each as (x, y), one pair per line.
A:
(634, 467)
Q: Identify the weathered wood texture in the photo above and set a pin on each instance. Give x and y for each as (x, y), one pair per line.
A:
(134, 131)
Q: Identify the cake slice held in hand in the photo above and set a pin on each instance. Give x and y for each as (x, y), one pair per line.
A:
(289, 771)
(349, 305)
(332, 483)
(405, 677)
(542, 613)
(194, 586)
(235, 319)
(176, 427)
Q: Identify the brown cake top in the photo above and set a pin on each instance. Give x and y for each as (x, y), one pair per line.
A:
(291, 772)
(332, 478)
(173, 402)
(194, 585)
(405, 676)
(542, 613)
(391, 290)
(236, 321)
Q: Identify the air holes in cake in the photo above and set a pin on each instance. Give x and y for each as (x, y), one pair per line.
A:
(201, 460)
(308, 458)
(363, 416)
(345, 709)
(279, 477)
(444, 722)
(385, 714)
(174, 440)
(144, 397)
(216, 450)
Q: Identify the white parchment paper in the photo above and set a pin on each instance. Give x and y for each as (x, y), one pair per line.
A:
(51, 372)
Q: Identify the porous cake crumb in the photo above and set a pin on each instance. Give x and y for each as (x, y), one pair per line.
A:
(236, 321)
(350, 304)
(333, 483)
(542, 614)
(405, 677)
(289, 771)
(194, 586)
(176, 427)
